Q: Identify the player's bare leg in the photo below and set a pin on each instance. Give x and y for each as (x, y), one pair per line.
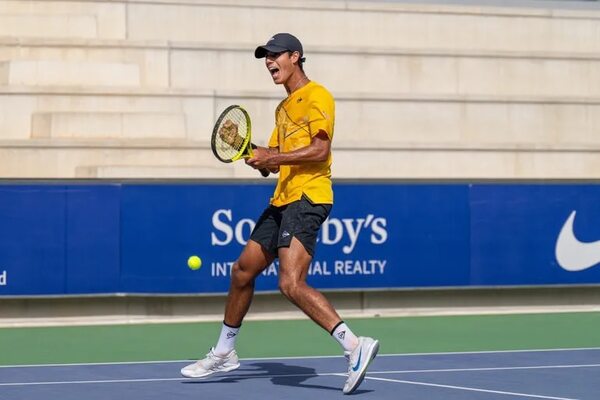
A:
(223, 357)
(293, 270)
(253, 260)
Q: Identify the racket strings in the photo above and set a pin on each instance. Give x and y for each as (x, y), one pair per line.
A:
(231, 134)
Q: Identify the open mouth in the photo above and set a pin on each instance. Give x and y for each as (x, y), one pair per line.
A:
(274, 72)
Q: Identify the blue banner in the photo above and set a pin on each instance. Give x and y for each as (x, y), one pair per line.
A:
(63, 239)
(390, 236)
(59, 239)
(32, 240)
(516, 231)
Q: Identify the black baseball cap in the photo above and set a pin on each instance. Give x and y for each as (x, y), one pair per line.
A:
(278, 43)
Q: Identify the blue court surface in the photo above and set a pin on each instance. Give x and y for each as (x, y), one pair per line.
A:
(561, 374)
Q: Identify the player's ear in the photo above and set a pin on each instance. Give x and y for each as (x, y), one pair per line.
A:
(295, 57)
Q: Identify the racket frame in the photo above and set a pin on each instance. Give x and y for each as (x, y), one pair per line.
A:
(246, 147)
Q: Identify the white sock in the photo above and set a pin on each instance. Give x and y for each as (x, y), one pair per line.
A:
(226, 341)
(344, 336)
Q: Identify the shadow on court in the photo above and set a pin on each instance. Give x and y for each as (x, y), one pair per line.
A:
(278, 373)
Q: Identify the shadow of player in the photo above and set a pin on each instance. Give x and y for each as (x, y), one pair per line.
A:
(278, 373)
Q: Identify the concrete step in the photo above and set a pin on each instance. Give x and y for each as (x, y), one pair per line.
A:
(365, 24)
(74, 160)
(386, 121)
(540, 124)
(466, 164)
(62, 19)
(233, 67)
(125, 125)
(48, 26)
(80, 62)
(372, 25)
(152, 172)
(379, 121)
(382, 25)
(67, 73)
(98, 113)
(416, 73)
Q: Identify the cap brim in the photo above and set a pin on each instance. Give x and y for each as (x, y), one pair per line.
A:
(261, 51)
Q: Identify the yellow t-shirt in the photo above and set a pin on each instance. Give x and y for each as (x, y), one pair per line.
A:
(299, 118)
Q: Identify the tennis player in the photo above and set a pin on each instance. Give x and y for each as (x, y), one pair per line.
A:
(300, 150)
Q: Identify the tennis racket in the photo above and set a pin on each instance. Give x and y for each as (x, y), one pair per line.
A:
(231, 136)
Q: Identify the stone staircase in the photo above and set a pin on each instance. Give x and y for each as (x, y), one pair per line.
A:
(131, 88)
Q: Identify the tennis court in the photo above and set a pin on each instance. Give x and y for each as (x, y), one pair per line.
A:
(498, 359)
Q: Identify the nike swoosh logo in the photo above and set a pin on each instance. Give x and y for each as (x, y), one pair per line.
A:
(572, 254)
(357, 365)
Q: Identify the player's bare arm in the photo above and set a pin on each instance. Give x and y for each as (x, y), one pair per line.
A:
(317, 151)
(274, 170)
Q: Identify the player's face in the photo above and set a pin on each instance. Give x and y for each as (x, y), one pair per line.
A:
(280, 66)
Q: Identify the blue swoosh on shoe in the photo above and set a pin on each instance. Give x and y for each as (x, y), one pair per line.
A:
(357, 365)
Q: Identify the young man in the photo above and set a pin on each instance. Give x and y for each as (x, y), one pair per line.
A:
(300, 150)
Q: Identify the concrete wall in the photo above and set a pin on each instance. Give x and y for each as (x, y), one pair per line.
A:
(140, 309)
(131, 88)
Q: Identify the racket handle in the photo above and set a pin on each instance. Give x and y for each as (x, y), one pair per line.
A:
(263, 171)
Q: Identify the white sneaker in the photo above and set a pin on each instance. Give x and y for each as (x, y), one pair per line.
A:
(358, 362)
(210, 364)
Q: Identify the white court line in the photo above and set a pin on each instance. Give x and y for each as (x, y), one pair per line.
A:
(441, 353)
(535, 396)
(251, 376)
(310, 357)
(89, 382)
(408, 371)
(238, 376)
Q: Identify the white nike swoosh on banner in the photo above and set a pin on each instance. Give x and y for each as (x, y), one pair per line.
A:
(572, 254)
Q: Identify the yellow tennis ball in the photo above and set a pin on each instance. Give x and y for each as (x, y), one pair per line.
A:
(194, 262)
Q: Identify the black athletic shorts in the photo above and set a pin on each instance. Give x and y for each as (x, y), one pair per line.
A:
(301, 219)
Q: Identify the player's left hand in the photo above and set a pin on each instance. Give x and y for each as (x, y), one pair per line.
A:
(261, 158)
